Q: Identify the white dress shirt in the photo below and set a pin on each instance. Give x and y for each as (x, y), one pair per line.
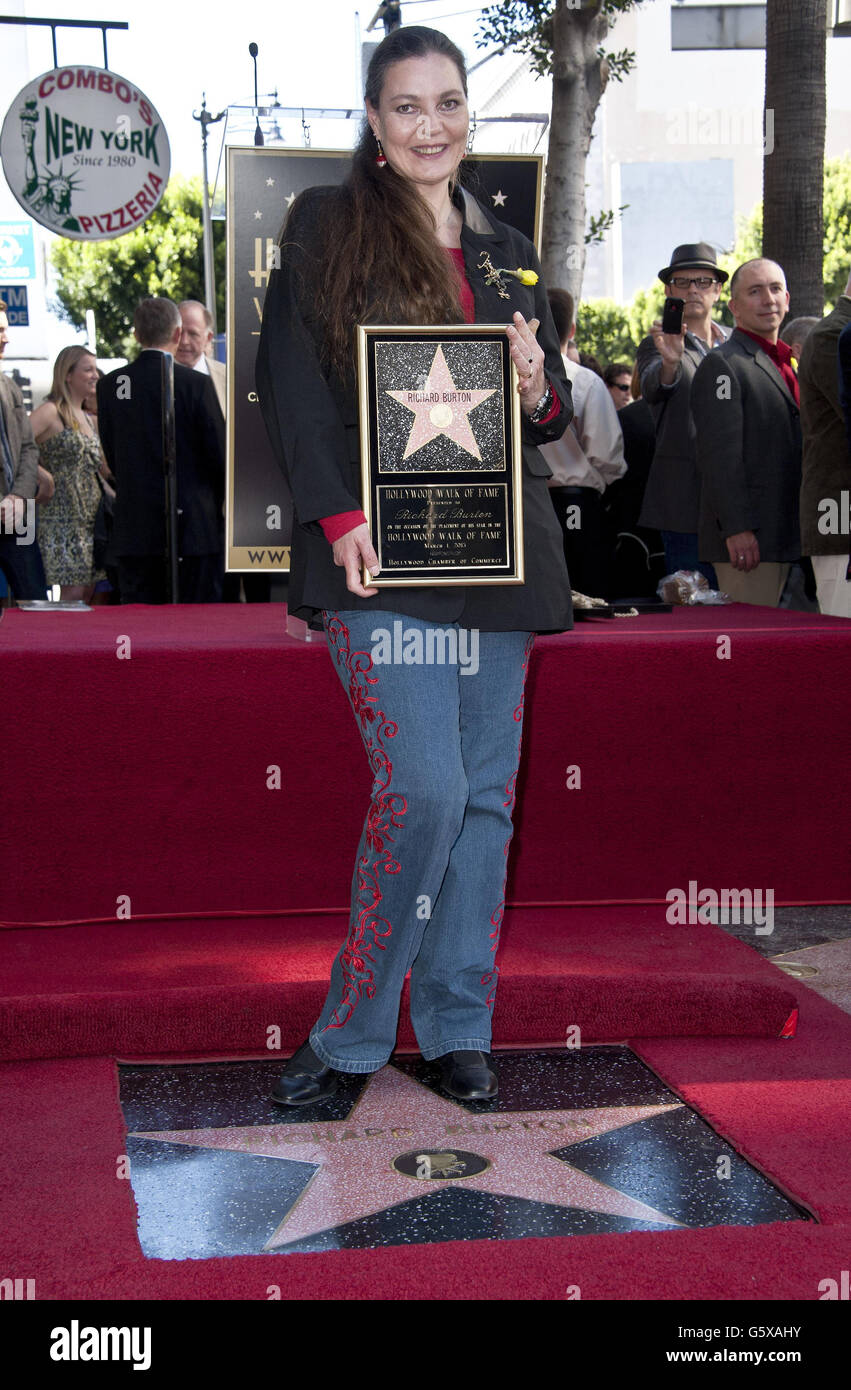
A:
(201, 365)
(590, 452)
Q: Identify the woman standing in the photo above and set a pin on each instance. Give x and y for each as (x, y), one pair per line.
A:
(401, 242)
(70, 451)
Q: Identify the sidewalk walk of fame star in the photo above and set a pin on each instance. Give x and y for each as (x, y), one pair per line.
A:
(432, 418)
(396, 1115)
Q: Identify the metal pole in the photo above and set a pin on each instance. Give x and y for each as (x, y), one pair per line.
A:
(170, 474)
(54, 24)
(206, 120)
(209, 268)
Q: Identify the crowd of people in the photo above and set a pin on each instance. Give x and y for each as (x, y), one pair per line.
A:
(725, 452)
(91, 457)
(732, 455)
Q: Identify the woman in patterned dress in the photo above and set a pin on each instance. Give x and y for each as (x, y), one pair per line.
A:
(70, 451)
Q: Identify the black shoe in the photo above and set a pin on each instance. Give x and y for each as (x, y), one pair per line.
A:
(304, 1079)
(467, 1075)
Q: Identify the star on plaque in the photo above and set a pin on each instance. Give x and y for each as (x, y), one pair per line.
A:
(401, 1140)
(499, 198)
(258, 214)
(290, 199)
(270, 183)
(447, 415)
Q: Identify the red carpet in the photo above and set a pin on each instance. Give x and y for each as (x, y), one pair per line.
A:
(146, 776)
(181, 987)
(146, 779)
(70, 1224)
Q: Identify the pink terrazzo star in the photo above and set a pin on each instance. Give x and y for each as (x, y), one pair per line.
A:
(446, 416)
(396, 1115)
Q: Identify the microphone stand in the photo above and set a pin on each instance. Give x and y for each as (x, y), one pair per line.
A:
(170, 476)
(258, 133)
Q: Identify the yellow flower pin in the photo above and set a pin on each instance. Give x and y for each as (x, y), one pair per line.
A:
(526, 277)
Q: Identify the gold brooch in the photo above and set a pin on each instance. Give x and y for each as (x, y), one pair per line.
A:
(493, 275)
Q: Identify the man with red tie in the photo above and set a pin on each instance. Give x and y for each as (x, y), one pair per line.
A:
(744, 400)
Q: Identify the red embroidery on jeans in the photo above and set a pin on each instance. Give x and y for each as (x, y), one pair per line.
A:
(491, 979)
(386, 810)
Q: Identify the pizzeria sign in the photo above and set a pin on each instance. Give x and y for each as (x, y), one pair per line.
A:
(85, 153)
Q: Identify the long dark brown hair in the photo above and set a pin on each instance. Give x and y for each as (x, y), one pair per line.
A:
(378, 258)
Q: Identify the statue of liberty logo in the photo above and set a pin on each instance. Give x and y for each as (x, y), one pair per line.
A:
(48, 192)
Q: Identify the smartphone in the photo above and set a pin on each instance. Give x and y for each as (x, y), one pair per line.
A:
(672, 315)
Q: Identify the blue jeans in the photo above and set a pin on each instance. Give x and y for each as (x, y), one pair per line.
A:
(22, 567)
(681, 554)
(428, 890)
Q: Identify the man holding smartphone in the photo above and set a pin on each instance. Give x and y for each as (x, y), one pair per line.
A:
(667, 361)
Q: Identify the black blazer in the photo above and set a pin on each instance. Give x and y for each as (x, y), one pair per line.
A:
(130, 425)
(312, 422)
(748, 451)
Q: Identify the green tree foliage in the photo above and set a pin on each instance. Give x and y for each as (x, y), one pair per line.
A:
(612, 332)
(163, 256)
(837, 234)
(603, 329)
(527, 27)
(837, 228)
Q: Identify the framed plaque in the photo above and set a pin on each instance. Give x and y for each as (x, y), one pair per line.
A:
(441, 459)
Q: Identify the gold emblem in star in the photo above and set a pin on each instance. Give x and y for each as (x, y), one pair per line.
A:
(441, 408)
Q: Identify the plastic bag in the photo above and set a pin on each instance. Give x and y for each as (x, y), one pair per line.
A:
(689, 587)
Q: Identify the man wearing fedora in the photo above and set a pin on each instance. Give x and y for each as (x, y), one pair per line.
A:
(666, 365)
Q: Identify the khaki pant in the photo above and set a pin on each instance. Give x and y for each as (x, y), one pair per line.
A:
(834, 590)
(763, 586)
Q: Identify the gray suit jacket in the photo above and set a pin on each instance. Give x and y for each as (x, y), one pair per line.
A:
(748, 451)
(672, 495)
(23, 446)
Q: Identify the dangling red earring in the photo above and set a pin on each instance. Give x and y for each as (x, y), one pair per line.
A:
(380, 158)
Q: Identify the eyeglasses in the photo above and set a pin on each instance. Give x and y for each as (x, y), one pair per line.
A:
(703, 282)
(618, 387)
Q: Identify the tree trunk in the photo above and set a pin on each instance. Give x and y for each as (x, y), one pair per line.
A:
(793, 170)
(578, 83)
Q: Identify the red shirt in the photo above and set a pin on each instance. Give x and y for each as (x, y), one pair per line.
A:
(781, 355)
(336, 526)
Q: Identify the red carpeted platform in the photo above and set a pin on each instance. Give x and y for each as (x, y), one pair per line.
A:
(69, 1223)
(140, 772)
(141, 740)
(216, 986)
